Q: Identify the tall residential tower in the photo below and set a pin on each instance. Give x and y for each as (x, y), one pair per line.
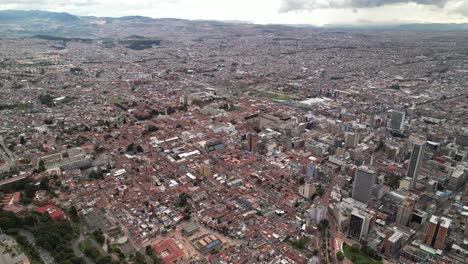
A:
(419, 145)
(364, 181)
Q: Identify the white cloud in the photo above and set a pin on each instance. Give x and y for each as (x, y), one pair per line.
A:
(317, 12)
(292, 5)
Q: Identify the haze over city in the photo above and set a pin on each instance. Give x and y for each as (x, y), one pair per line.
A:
(233, 132)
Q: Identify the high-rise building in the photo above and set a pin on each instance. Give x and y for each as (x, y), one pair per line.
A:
(311, 171)
(364, 181)
(397, 121)
(307, 190)
(205, 170)
(352, 139)
(359, 224)
(317, 213)
(417, 154)
(462, 138)
(437, 231)
(252, 141)
(392, 243)
(405, 211)
(419, 217)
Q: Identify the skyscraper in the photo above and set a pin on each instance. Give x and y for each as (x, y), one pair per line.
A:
(364, 180)
(359, 224)
(352, 139)
(205, 170)
(437, 231)
(316, 213)
(397, 121)
(307, 190)
(311, 171)
(417, 154)
(405, 211)
(393, 242)
(252, 140)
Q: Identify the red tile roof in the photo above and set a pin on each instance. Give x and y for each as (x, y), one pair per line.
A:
(54, 212)
(168, 250)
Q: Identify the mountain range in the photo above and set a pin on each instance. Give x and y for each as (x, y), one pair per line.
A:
(16, 23)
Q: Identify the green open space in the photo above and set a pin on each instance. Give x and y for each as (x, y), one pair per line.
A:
(357, 256)
(23, 106)
(114, 100)
(273, 96)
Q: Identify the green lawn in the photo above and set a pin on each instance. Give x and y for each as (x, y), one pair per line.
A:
(114, 100)
(85, 245)
(22, 106)
(358, 257)
(300, 244)
(274, 96)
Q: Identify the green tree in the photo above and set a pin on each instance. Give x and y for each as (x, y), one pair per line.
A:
(44, 184)
(340, 256)
(139, 148)
(139, 258)
(99, 236)
(41, 167)
(183, 200)
(323, 225)
(355, 248)
(74, 214)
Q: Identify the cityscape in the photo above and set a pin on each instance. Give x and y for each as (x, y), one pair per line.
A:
(141, 140)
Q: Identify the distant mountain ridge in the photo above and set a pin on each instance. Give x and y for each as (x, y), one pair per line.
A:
(14, 15)
(18, 23)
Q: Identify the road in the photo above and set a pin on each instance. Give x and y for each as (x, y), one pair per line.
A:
(77, 250)
(45, 255)
(6, 155)
(331, 220)
(13, 179)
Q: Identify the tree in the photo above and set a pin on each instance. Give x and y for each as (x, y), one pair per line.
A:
(130, 147)
(183, 200)
(74, 214)
(92, 252)
(355, 248)
(225, 230)
(22, 140)
(170, 110)
(41, 166)
(104, 260)
(187, 214)
(48, 121)
(139, 258)
(320, 191)
(96, 174)
(340, 256)
(44, 184)
(323, 225)
(46, 99)
(99, 236)
(12, 146)
(301, 180)
(139, 149)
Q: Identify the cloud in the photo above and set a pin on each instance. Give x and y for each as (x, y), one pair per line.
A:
(298, 5)
(317, 12)
(48, 2)
(458, 7)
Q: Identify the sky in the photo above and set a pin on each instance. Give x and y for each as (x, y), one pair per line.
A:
(314, 12)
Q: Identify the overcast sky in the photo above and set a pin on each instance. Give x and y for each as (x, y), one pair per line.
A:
(316, 12)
